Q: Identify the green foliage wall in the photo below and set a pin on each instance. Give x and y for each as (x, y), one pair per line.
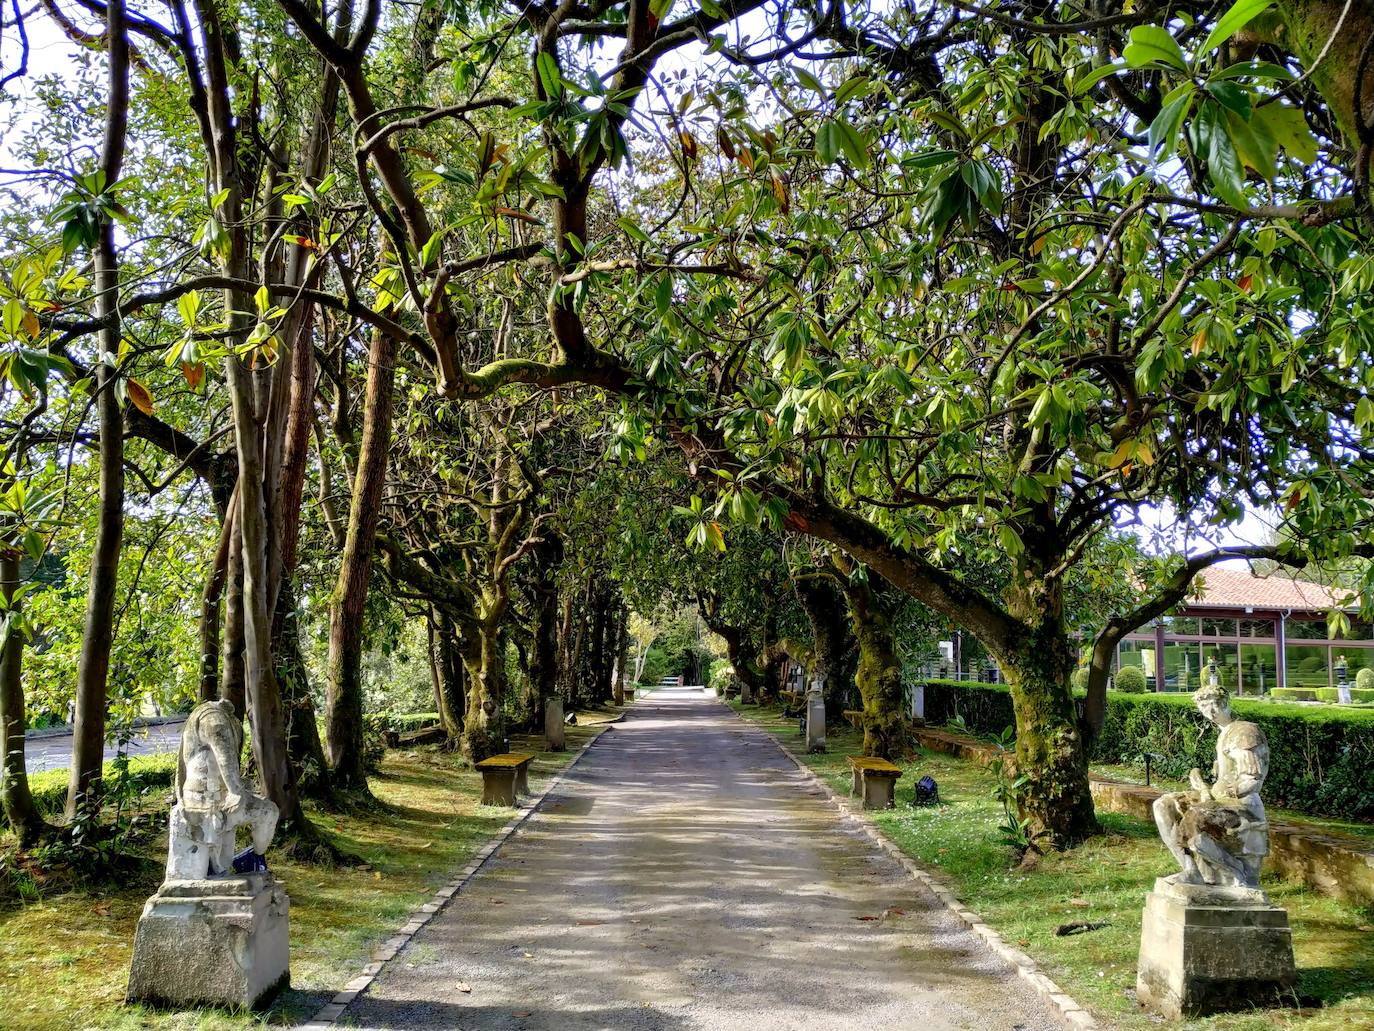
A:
(1318, 758)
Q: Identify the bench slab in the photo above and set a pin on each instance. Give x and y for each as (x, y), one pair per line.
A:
(505, 777)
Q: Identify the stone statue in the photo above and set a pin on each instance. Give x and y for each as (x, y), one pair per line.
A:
(1218, 832)
(212, 802)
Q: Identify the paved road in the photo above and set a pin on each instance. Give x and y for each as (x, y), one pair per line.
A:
(685, 877)
(55, 753)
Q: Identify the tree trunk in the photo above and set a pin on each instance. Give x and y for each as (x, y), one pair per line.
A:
(832, 639)
(879, 676)
(303, 745)
(231, 675)
(447, 671)
(344, 714)
(484, 725)
(211, 604)
(1049, 741)
(97, 638)
(15, 798)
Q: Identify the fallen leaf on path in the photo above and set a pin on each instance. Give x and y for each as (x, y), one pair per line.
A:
(868, 918)
(590, 923)
(464, 987)
(498, 902)
(523, 1013)
(529, 955)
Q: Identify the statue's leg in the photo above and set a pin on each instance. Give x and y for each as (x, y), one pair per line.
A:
(1167, 819)
(188, 858)
(1220, 866)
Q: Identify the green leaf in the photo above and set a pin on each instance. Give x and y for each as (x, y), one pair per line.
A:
(632, 230)
(1095, 76)
(1254, 143)
(1229, 95)
(854, 144)
(549, 76)
(1164, 129)
(1151, 45)
(828, 142)
(1242, 12)
(1212, 139)
(1288, 127)
(809, 81)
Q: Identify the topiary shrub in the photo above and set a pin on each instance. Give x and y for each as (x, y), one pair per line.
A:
(1364, 679)
(1130, 679)
(1078, 679)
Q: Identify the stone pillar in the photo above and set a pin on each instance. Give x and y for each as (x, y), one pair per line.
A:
(1208, 948)
(918, 701)
(815, 716)
(746, 693)
(553, 723)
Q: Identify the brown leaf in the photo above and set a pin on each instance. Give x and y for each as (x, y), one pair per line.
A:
(590, 923)
(746, 158)
(727, 145)
(29, 323)
(868, 918)
(139, 396)
(464, 987)
(523, 1013)
(1080, 903)
(1199, 341)
(524, 216)
(689, 145)
(194, 374)
(1244, 282)
(780, 193)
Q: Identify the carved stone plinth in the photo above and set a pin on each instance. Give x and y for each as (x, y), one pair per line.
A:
(216, 942)
(554, 738)
(1206, 949)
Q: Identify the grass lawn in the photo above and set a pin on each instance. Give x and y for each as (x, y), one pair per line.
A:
(64, 959)
(1106, 879)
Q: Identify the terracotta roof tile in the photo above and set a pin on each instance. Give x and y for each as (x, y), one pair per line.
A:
(1222, 587)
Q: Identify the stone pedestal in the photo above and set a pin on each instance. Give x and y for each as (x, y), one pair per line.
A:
(1206, 949)
(815, 722)
(553, 723)
(215, 942)
(918, 702)
(746, 694)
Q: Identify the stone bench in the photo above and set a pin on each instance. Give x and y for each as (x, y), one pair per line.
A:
(855, 718)
(875, 780)
(504, 777)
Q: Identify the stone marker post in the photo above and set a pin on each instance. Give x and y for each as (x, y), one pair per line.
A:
(553, 722)
(918, 701)
(215, 934)
(815, 715)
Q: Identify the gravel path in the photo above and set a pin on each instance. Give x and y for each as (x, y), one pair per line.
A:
(685, 876)
(55, 752)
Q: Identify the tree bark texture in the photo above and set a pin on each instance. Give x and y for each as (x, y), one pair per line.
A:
(16, 800)
(833, 650)
(344, 716)
(97, 638)
(879, 674)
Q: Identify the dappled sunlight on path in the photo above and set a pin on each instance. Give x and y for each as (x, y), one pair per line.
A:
(685, 876)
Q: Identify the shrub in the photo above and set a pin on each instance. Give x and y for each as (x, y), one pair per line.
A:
(1364, 679)
(1078, 679)
(656, 664)
(724, 681)
(1130, 679)
(1294, 694)
(1318, 757)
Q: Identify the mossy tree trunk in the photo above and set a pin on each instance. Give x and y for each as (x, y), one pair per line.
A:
(15, 798)
(484, 725)
(1050, 749)
(832, 638)
(879, 674)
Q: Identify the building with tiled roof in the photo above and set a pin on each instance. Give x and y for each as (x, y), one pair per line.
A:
(1263, 631)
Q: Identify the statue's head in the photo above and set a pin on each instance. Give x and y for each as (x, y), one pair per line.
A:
(1213, 702)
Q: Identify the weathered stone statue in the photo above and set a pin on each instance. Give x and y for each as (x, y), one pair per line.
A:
(1218, 832)
(1210, 939)
(212, 935)
(212, 802)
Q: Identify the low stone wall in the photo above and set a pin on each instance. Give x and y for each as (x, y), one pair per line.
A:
(1334, 864)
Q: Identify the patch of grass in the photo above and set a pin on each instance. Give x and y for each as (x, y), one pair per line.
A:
(1105, 879)
(64, 959)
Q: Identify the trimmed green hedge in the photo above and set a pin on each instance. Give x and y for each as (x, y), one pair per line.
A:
(1320, 694)
(148, 773)
(1319, 759)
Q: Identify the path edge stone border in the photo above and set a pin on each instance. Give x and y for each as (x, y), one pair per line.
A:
(327, 1016)
(1073, 1015)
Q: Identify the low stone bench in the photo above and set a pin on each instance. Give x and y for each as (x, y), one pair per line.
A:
(875, 780)
(504, 777)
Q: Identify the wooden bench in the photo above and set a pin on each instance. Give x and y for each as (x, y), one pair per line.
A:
(855, 718)
(505, 777)
(875, 780)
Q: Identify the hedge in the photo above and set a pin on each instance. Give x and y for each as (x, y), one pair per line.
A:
(1319, 759)
(147, 773)
(1320, 694)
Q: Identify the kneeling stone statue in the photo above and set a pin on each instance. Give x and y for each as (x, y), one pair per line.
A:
(1210, 938)
(213, 934)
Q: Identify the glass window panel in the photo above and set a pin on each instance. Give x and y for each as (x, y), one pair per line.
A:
(1228, 665)
(1218, 628)
(1139, 653)
(1310, 629)
(1306, 665)
(1258, 668)
(1257, 628)
(1181, 662)
(1180, 625)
